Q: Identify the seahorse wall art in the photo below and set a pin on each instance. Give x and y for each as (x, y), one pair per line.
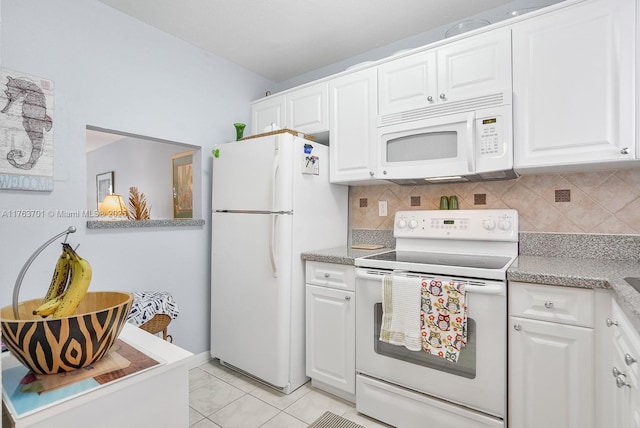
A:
(26, 132)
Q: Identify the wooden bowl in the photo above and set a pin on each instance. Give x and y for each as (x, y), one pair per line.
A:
(47, 345)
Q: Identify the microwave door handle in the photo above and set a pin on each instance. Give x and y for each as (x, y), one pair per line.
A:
(470, 141)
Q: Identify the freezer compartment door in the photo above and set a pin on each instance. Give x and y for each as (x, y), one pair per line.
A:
(254, 174)
(251, 314)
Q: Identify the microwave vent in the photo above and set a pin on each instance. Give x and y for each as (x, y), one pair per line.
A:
(443, 109)
(508, 174)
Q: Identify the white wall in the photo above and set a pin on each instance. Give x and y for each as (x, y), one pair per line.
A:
(114, 72)
(494, 15)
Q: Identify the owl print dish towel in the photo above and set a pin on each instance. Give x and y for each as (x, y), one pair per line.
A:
(443, 317)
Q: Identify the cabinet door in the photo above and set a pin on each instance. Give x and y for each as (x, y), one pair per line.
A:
(308, 109)
(407, 84)
(266, 111)
(620, 393)
(476, 67)
(352, 126)
(573, 85)
(550, 375)
(624, 370)
(330, 328)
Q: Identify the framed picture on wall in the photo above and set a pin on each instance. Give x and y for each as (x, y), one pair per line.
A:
(104, 186)
(182, 179)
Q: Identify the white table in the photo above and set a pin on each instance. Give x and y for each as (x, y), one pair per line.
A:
(158, 396)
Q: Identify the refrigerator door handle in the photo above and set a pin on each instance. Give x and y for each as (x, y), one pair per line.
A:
(274, 176)
(272, 234)
(272, 246)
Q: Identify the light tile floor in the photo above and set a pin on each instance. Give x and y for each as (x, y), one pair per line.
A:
(220, 397)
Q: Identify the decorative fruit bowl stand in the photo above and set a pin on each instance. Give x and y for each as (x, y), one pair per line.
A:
(88, 368)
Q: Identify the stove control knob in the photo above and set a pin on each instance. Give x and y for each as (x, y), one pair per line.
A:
(504, 224)
(413, 223)
(402, 223)
(489, 224)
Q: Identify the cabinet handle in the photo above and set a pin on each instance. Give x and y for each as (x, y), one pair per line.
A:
(628, 359)
(384, 172)
(371, 173)
(347, 298)
(617, 373)
(326, 275)
(625, 151)
(517, 327)
(611, 323)
(620, 382)
(430, 98)
(548, 304)
(443, 96)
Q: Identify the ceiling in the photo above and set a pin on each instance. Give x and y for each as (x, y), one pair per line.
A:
(281, 39)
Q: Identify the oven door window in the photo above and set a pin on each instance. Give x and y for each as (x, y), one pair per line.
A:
(423, 147)
(465, 367)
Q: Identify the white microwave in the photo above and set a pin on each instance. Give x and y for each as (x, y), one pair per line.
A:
(473, 145)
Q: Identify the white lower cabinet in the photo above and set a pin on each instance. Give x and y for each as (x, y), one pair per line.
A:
(331, 327)
(623, 370)
(551, 357)
(550, 375)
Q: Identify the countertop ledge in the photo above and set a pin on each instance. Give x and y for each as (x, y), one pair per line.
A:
(134, 224)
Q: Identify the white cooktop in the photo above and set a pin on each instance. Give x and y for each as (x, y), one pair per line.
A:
(471, 243)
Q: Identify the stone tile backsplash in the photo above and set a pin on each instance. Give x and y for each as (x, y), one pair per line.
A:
(586, 202)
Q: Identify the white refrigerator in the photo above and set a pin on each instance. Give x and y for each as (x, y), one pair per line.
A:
(271, 201)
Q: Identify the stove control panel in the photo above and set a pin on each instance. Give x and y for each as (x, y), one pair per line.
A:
(491, 225)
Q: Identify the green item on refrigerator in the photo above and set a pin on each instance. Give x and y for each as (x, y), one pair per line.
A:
(453, 202)
(444, 203)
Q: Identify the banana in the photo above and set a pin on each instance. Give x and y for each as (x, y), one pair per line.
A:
(78, 285)
(60, 276)
(49, 307)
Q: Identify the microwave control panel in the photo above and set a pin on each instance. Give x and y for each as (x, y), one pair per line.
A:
(493, 140)
(490, 135)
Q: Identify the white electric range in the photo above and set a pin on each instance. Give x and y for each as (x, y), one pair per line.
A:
(406, 387)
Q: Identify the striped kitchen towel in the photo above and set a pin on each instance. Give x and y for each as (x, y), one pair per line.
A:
(401, 298)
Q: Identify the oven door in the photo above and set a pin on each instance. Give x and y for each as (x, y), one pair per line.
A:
(477, 380)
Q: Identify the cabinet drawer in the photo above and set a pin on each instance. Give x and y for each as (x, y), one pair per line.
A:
(331, 275)
(566, 305)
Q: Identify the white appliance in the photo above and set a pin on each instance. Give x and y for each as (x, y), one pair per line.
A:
(271, 201)
(414, 388)
(472, 141)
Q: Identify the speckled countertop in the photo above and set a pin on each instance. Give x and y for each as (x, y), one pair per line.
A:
(595, 261)
(340, 255)
(582, 273)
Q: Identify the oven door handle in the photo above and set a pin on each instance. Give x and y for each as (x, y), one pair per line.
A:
(495, 288)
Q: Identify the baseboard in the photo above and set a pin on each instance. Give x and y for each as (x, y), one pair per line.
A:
(197, 359)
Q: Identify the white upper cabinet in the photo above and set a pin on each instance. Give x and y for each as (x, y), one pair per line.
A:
(407, 83)
(352, 127)
(476, 67)
(573, 83)
(266, 111)
(305, 110)
(431, 82)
